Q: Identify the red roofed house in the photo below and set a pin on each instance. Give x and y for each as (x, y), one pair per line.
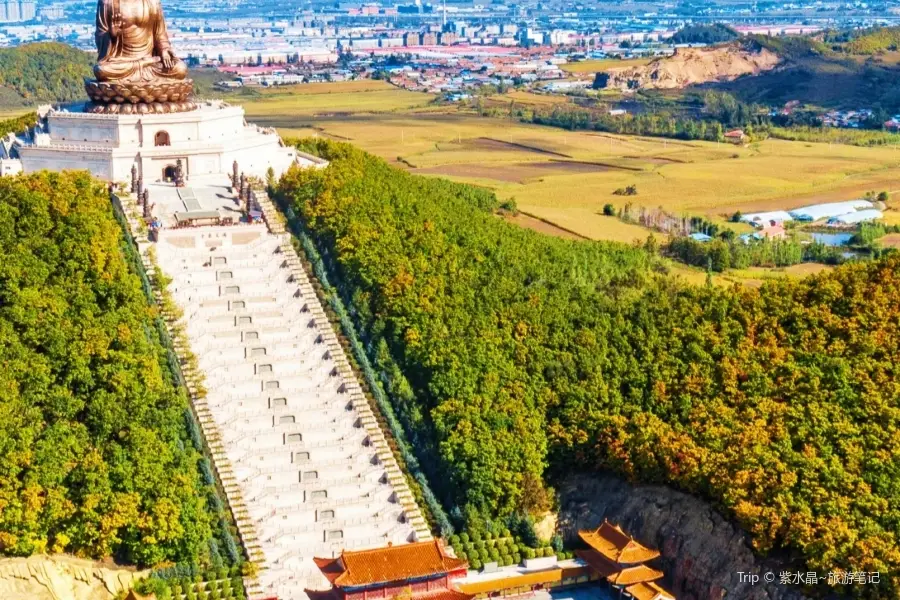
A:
(773, 231)
(736, 136)
(422, 570)
(618, 558)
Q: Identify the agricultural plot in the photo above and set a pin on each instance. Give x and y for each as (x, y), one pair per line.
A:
(342, 98)
(565, 178)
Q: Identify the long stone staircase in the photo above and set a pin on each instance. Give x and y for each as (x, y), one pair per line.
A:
(304, 464)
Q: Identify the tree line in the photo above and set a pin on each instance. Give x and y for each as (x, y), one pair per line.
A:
(707, 117)
(18, 124)
(729, 252)
(513, 358)
(714, 33)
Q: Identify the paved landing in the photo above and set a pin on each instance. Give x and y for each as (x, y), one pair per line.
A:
(191, 203)
(200, 195)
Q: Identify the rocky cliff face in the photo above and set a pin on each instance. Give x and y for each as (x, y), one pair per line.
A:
(694, 65)
(62, 578)
(701, 552)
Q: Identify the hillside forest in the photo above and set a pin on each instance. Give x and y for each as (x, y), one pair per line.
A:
(43, 72)
(513, 357)
(96, 459)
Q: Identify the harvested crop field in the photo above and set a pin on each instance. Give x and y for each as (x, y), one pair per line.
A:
(516, 172)
(566, 177)
(891, 240)
(486, 143)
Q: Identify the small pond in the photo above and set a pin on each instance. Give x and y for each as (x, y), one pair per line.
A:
(832, 239)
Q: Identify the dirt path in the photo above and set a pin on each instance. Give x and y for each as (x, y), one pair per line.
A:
(487, 143)
(541, 226)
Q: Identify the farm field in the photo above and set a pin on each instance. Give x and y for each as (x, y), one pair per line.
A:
(349, 97)
(523, 97)
(566, 177)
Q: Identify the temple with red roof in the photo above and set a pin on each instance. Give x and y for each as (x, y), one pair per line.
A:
(619, 559)
(422, 570)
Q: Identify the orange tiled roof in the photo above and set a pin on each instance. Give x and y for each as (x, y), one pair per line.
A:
(615, 545)
(331, 568)
(649, 591)
(601, 565)
(632, 575)
(393, 563)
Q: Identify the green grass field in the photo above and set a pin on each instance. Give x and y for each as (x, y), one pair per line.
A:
(344, 98)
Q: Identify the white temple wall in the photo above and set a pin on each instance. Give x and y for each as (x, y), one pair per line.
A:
(221, 128)
(78, 130)
(37, 159)
(207, 140)
(122, 168)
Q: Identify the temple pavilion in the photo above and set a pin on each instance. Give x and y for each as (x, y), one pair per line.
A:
(422, 570)
(619, 559)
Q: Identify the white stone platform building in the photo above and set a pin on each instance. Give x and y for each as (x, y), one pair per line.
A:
(207, 140)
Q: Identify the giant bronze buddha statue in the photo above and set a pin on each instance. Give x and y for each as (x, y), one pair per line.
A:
(137, 71)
